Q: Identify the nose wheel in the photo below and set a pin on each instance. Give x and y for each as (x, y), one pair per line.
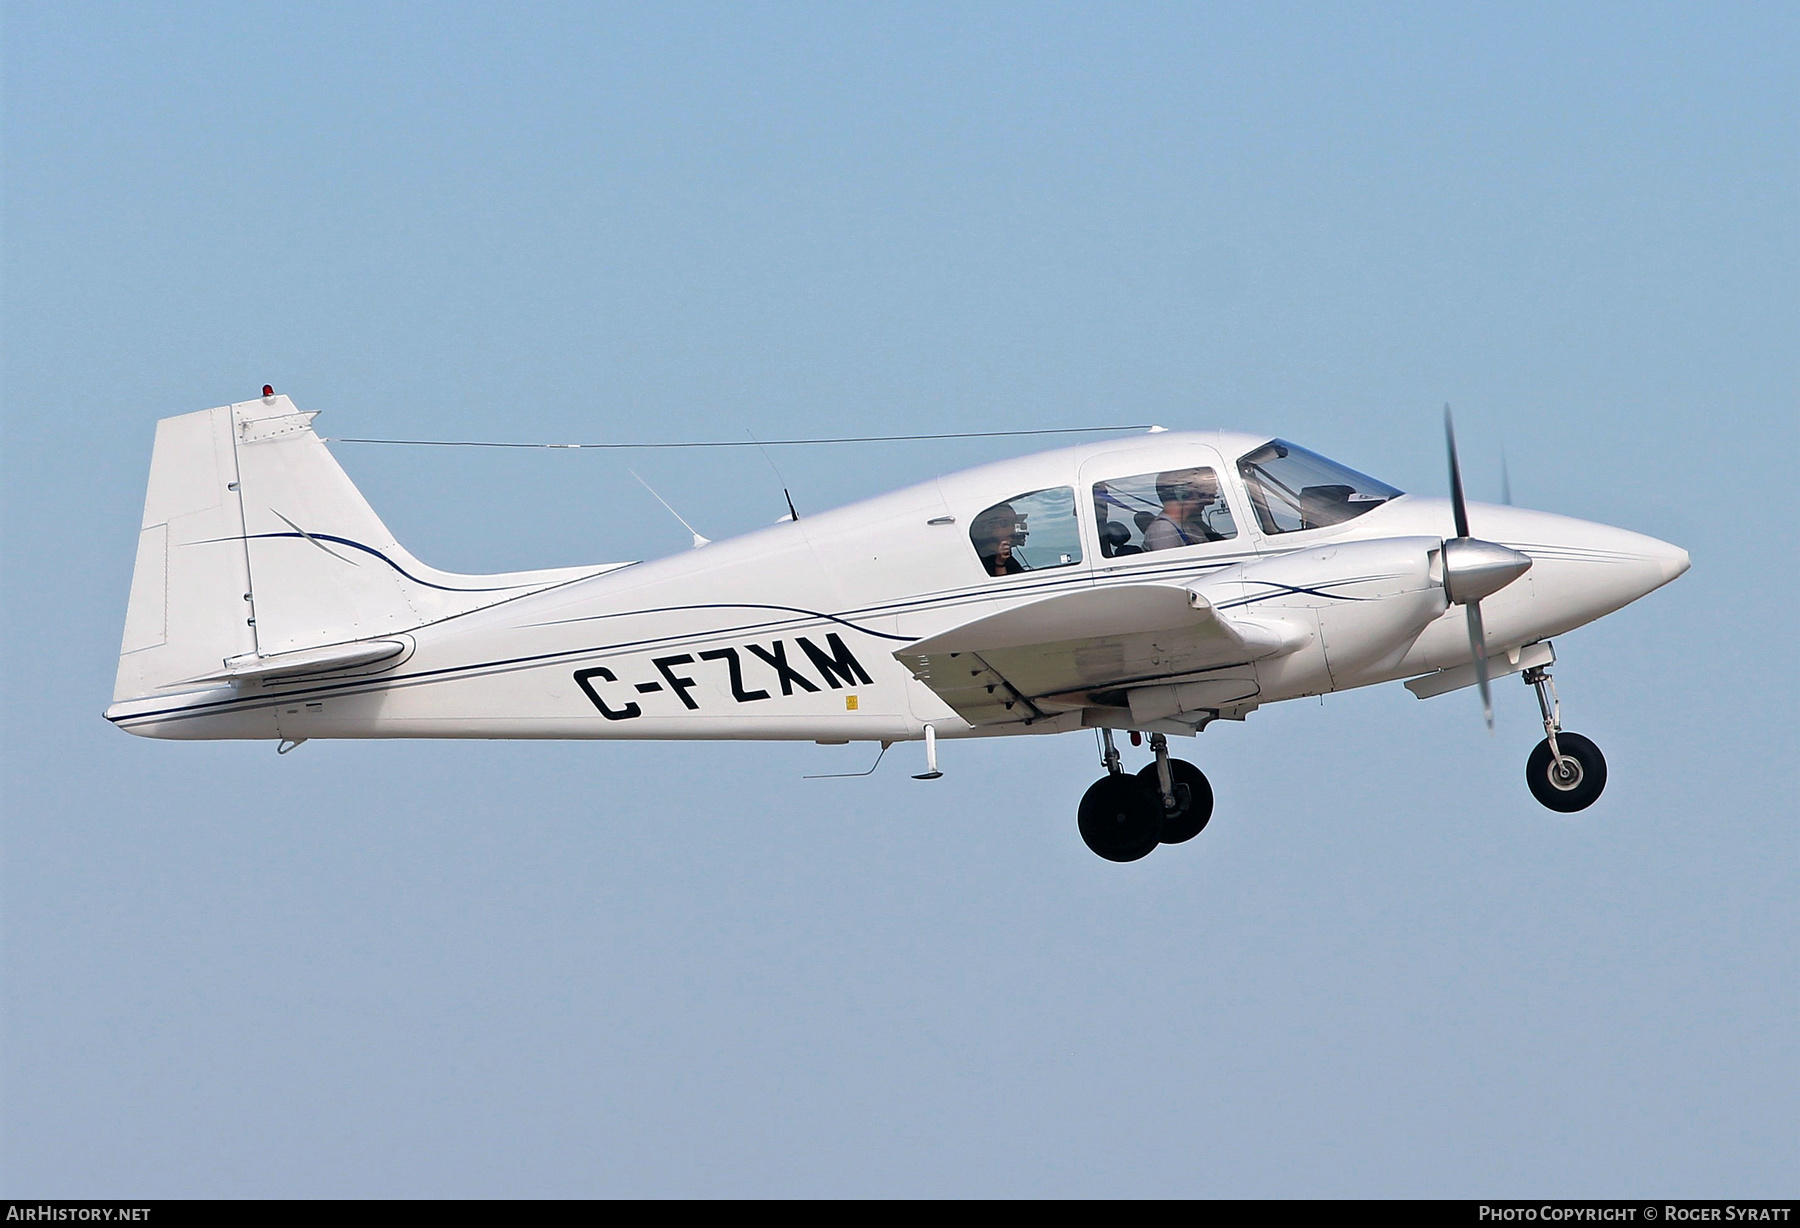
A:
(1123, 817)
(1566, 772)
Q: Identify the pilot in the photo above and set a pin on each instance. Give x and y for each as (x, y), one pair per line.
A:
(1185, 495)
(995, 533)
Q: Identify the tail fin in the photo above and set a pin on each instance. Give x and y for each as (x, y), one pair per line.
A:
(256, 545)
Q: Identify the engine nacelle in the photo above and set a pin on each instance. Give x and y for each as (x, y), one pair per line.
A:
(1379, 596)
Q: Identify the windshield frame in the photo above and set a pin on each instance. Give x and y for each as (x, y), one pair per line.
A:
(1365, 493)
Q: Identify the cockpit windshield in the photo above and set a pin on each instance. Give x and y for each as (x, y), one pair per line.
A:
(1293, 489)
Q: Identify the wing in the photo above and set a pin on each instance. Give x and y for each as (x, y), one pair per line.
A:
(1045, 657)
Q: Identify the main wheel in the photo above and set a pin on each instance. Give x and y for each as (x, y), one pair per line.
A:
(1573, 785)
(1193, 800)
(1120, 819)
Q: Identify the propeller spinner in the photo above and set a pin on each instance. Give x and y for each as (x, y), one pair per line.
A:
(1474, 569)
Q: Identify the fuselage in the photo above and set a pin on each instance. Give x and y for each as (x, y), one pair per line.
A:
(790, 632)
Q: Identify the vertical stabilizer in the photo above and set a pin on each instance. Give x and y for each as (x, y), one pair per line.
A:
(256, 544)
(323, 567)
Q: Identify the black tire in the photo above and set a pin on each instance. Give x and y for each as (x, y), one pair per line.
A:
(1193, 800)
(1119, 819)
(1577, 790)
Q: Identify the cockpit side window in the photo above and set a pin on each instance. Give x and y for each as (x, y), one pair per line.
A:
(1161, 511)
(1293, 489)
(1028, 532)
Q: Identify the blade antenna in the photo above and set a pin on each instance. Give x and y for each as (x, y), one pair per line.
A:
(699, 541)
(792, 514)
(1505, 479)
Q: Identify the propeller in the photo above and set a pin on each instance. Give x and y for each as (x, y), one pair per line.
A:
(1474, 569)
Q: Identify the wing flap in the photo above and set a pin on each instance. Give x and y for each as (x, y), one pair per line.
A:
(1045, 657)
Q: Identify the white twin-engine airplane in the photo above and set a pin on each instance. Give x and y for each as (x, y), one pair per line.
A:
(1152, 584)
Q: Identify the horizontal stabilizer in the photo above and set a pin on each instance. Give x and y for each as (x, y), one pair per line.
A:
(333, 658)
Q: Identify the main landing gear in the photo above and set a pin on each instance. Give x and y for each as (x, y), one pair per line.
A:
(1123, 817)
(1566, 772)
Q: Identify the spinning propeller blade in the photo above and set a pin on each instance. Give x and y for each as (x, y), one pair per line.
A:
(1478, 649)
(1477, 633)
(1457, 507)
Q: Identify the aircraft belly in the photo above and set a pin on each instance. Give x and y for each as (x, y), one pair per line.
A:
(877, 727)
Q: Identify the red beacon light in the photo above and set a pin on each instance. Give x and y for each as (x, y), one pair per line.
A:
(268, 391)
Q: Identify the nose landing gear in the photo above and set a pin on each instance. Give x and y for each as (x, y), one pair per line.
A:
(1124, 817)
(1566, 772)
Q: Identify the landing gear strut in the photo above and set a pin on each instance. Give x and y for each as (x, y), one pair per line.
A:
(1182, 789)
(1566, 772)
(1123, 817)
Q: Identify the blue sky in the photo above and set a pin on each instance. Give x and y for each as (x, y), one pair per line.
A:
(506, 969)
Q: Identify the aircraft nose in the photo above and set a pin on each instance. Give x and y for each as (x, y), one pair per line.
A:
(1582, 570)
(1672, 559)
(1639, 563)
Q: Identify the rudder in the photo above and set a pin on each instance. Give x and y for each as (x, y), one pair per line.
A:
(190, 589)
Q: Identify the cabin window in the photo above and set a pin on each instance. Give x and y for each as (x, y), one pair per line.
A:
(1293, 489)
(1161, 511)
(1028, 532)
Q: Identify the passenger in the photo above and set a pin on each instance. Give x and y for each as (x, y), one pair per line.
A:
(1185, 495)
(995, 533)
